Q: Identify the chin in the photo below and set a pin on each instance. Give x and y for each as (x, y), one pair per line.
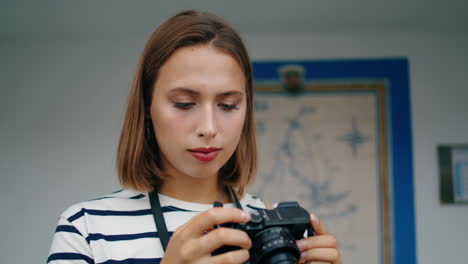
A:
(202, 173)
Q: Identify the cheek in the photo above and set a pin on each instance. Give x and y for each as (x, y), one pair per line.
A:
(168, 124)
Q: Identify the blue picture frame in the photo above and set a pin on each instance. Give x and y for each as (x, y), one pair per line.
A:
(395, 71)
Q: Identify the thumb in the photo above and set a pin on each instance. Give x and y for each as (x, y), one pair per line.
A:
(319, 228)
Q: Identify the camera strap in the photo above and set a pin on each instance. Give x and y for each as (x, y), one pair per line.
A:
(159, 217)
(234, 197)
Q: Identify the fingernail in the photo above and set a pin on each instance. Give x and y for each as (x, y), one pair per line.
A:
(245, 216)
(315, 220)
(301, 244)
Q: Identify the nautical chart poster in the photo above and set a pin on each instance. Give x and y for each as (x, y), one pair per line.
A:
(324, 143)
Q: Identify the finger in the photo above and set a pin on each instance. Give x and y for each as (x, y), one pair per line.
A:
(318, 225)
(232, 257)
(215, 216)
(320, 254)
(323, 241)
(224, 236)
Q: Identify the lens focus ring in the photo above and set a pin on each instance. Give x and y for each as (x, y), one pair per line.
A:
(273, 246)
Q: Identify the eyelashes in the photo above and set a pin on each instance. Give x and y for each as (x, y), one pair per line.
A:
(184, 106)
(188, 106)
(228, 107)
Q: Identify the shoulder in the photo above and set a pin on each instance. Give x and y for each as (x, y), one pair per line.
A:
(122, 199)
(122, 202)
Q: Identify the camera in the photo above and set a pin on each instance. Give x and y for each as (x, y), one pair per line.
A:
(273, 233)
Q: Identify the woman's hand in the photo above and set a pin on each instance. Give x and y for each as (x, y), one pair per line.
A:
(191, 244)
(321, 248)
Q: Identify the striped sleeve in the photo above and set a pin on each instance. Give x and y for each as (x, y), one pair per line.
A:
(69, 246)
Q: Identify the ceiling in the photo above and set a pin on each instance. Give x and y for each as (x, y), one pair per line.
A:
(125, 17)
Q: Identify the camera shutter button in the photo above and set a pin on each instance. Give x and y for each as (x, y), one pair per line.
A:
(255, 217)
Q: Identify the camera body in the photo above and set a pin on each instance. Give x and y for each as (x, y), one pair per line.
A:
(274, 233)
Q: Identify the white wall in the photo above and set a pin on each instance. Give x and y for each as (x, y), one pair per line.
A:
(63, 100)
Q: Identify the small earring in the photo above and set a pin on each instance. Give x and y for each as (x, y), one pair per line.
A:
(148, 132)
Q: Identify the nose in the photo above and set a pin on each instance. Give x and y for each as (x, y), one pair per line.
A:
(207, 127)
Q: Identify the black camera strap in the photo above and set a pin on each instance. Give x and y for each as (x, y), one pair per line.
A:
(234, 196)
(159, 217)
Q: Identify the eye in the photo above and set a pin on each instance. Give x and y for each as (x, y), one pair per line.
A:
(184, 106)
(228, 107)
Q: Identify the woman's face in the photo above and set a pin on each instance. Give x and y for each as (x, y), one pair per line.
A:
(199, 101)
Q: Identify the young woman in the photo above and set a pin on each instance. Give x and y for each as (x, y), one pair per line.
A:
(188, 140)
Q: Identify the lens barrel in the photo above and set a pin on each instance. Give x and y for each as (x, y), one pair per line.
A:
(274, 245)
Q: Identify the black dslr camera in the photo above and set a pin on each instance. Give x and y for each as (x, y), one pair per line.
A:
(274, 233)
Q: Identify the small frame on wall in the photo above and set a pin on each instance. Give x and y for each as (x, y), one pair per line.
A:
(453, 173)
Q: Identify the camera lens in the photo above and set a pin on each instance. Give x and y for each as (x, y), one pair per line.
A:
(274, 245)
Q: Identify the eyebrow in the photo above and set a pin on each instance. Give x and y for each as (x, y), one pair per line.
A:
(195, 93)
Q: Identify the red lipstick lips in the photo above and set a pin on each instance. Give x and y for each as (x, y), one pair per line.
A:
(204, 154)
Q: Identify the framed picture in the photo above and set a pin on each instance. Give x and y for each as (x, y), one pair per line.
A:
(453, 171)
(336, 136)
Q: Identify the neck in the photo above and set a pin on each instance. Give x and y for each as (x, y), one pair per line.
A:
(196, 190)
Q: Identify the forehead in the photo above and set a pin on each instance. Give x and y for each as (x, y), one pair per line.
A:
(202, 69)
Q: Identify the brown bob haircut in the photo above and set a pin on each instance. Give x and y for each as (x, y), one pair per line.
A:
(138, 154)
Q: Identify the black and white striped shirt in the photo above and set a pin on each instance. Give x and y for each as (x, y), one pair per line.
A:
(119, 228)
